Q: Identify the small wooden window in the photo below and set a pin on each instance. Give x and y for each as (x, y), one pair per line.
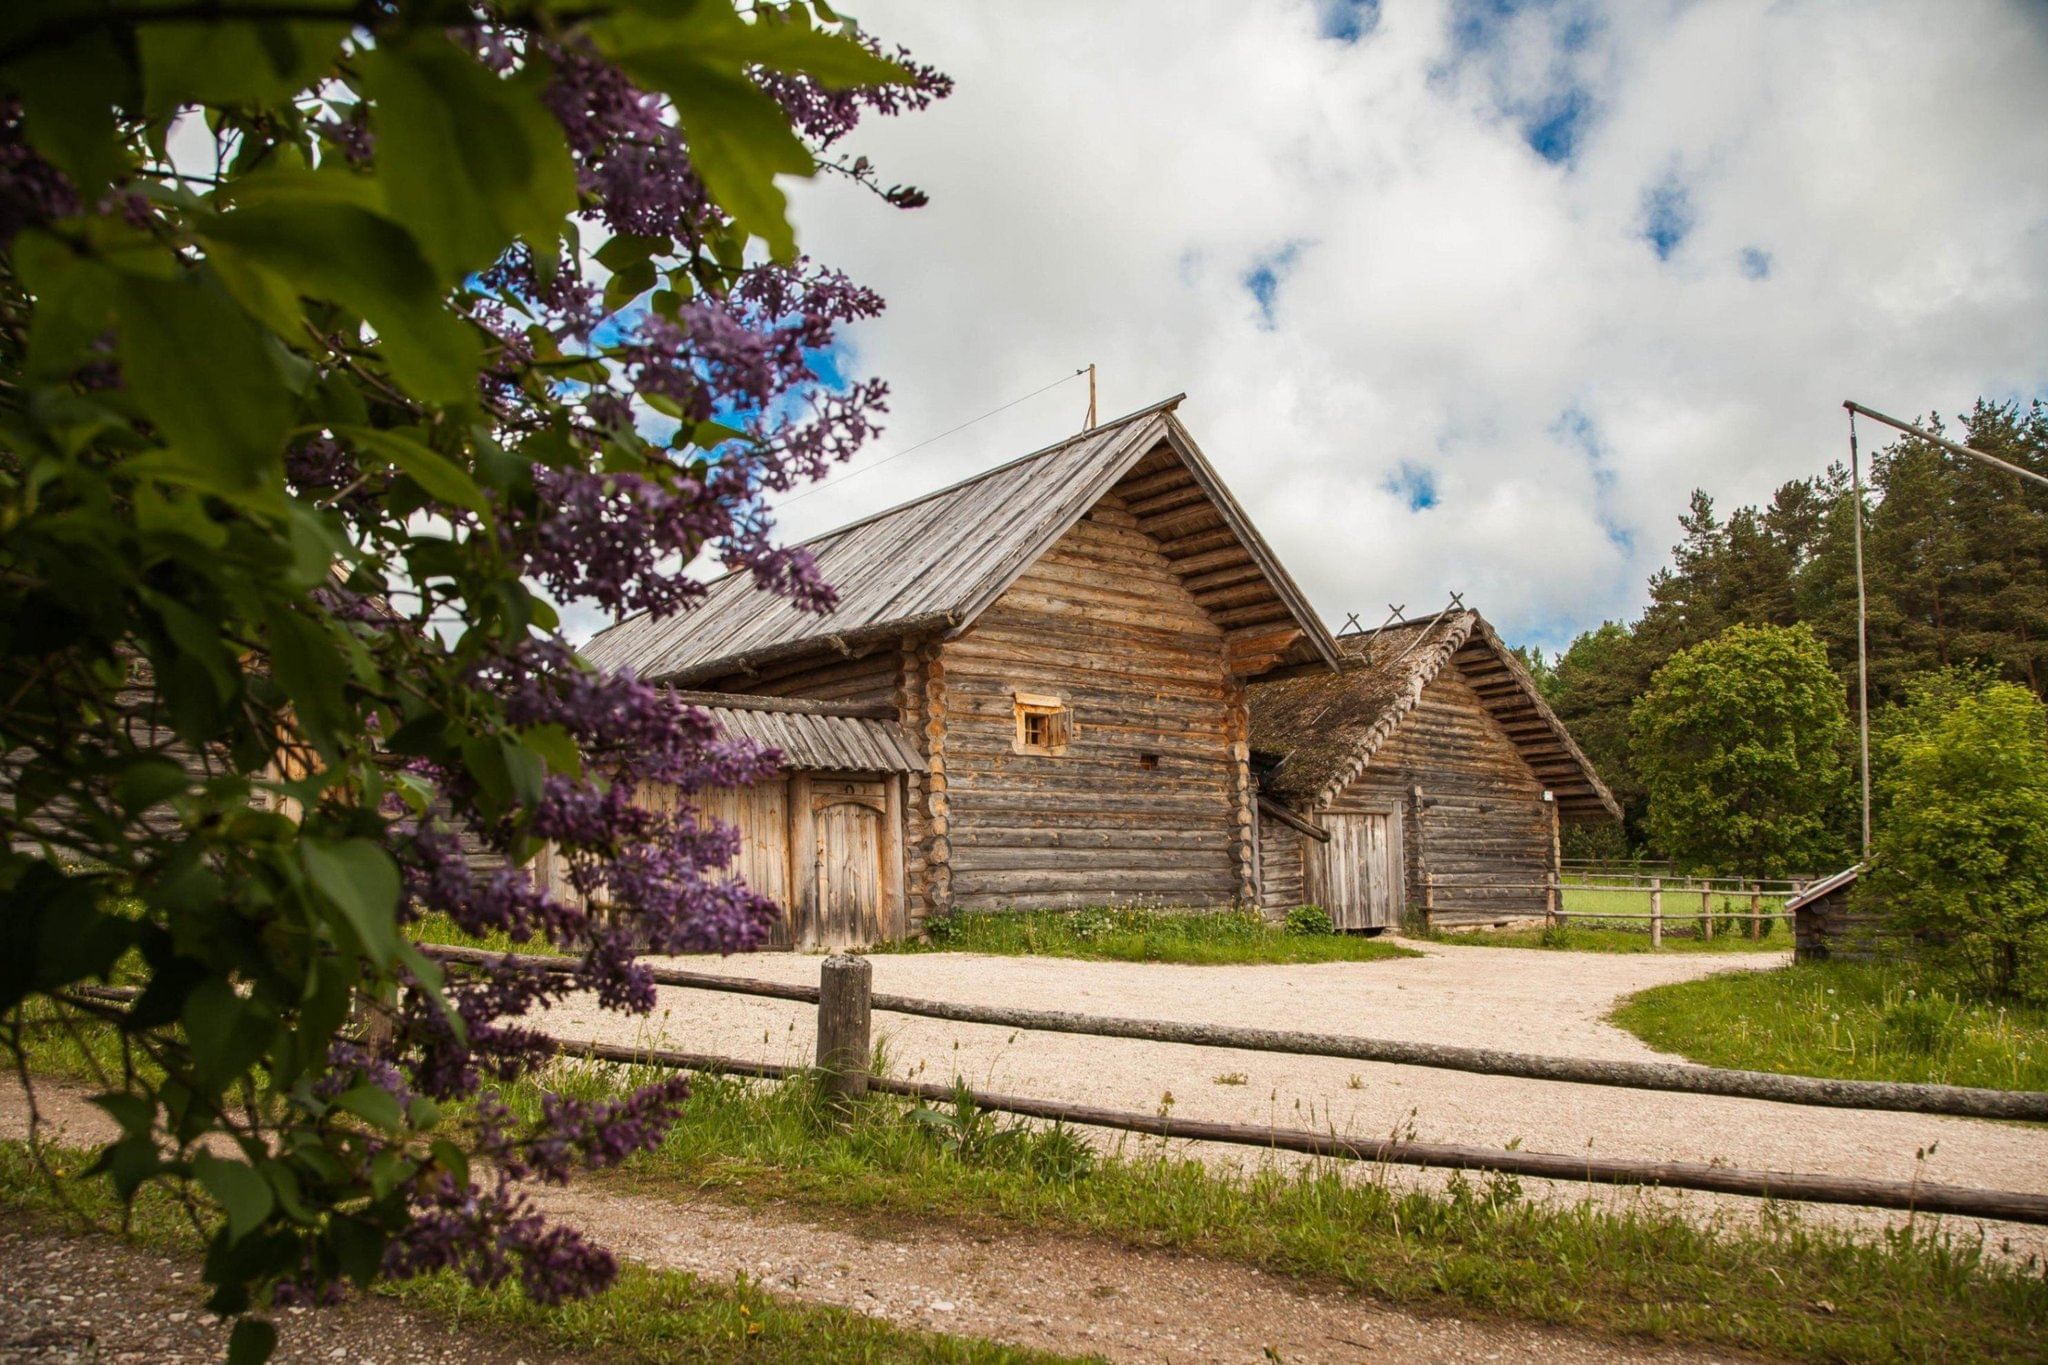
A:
(1044, 725)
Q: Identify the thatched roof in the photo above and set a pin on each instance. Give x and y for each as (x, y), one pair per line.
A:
(1317, 731)
(935, 563)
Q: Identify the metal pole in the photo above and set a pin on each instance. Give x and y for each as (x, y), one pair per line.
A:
(1932, 439)
(1862, 628)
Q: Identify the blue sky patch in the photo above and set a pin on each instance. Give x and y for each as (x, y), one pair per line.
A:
(1553, 130)
(1754, 262)
(1667, 216)
(1264, 279)
(1346, 21)
(1414, 485)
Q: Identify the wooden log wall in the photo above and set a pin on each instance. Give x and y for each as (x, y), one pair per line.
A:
(912, 657)
(826, 675)
(1151, 799)
(1281, 885)
(1479, 812)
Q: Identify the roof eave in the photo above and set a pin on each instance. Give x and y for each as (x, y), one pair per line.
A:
(1255, 545)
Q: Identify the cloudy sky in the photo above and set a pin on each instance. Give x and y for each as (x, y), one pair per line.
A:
(1463, 295)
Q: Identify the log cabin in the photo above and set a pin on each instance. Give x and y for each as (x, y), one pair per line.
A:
(1063, 645)
(1427, 774)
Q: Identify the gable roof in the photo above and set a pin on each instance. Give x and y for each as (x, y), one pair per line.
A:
(1324, 728)
(937, 562)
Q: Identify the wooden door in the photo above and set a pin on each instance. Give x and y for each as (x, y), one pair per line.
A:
(1356, 876)
(848, 901)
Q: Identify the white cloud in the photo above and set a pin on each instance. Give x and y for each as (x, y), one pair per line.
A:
(1454, 306)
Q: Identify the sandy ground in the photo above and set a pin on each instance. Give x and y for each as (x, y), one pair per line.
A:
(1524, 1000)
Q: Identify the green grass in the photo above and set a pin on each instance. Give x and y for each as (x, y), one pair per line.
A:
(649, 1315)
(1596, 937)
(1132, 935)
(1852, 1020)
(1628, 1269)
(1606, 1265)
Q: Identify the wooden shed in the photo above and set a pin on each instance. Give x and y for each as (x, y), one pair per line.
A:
(823, 838)
(1824, 925)
(1427, 773)
(1066, 642)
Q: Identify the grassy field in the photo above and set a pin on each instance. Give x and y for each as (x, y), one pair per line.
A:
(647, 1316)
(1853, 1020)
(1125, 935)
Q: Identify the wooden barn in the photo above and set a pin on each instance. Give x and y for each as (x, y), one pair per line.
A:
(1426, 773)
(1065, 645)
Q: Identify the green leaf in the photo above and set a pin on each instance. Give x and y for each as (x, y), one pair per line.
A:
(555, 745)
(226, 1031)
(239, 1189)
(468, 159)
(441, 477)
(251, 1342)
(231, 62)
(739, 138)
(360, 880)
(299, 234)
(69, 93)
(779, 40)
(200, 370)
(372, 1104)
(306, 664)
(147, 781)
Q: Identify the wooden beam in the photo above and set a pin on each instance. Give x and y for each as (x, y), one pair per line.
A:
(1293, 821)
(742, 701)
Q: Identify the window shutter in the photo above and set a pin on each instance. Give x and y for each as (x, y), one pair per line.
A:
(1061, 730)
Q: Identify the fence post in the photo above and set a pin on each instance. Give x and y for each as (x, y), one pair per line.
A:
(1756, 911)
(1656, 912)
(845, 986)
(1429, 901)
(1550, 898)
(1706, 911)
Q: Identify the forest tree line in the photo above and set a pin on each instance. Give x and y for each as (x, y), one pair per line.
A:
(1956, 569)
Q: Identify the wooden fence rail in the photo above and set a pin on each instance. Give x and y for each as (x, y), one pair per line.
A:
(2006, 1205)
(844, 1047)
(1952, 1100)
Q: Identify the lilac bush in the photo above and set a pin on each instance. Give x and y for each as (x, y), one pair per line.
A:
(471, 312)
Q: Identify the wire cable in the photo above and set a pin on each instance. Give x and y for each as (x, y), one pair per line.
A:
(930, 440)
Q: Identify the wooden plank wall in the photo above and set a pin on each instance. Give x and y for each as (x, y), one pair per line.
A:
(1481, 814)
(1103, 621)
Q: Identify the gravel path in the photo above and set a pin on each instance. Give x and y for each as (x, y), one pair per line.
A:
(77, 1297)
(82, 1299)
(1524, 1000)
(1066, 1294)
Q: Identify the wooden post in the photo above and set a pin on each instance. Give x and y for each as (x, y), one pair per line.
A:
(1656, 912)
(845, 986)
(1550, 898)
(1706, 911)
(1756, 911)
(1428, 901)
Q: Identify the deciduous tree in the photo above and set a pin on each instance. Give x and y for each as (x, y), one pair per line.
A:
(1740, 743)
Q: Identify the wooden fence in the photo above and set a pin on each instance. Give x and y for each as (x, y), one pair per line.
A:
(846, 1003)
(1764, 900)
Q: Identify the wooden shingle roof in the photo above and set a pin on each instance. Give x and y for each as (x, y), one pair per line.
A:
(1320, 730)
(935, 563)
